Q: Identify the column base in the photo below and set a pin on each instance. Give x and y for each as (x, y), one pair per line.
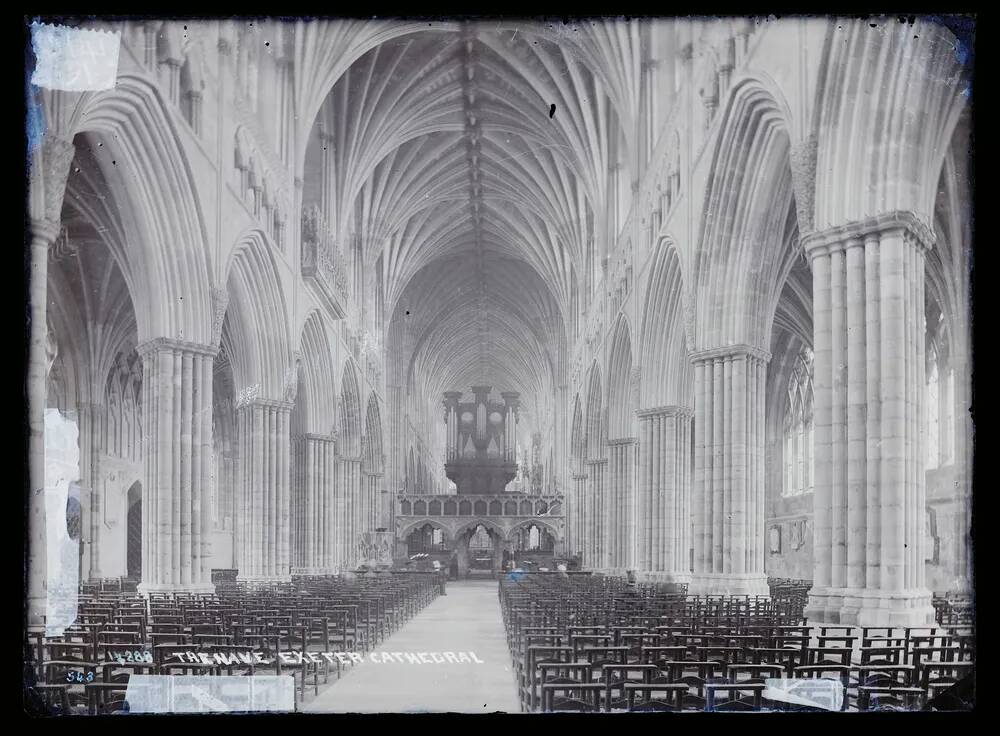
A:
(312, 571)
(752, 583)
(825, 605)
(661, 576)
(884, 608)
(817, 608)
(37, 608)
(960, 586)
(147, 588)
(286, 578)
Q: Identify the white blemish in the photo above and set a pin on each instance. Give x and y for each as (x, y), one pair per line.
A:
(74, 59)
(208, 693)
(62, 469)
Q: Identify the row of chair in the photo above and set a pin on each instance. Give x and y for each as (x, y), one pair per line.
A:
(593, 642)
(241, 629)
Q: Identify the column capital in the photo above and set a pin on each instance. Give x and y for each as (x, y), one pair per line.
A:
(317, 437)
(168, 343)
(665, 411)
(220, 302)
(268, 404)
(579, 476)
(50, 165)
(729, 351)
(43, 230)
(600, 461)
(824, 242)
(621, 442)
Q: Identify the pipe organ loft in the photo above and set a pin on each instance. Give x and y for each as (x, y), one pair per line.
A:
(661, 326)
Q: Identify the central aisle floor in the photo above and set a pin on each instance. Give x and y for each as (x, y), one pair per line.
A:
(467, 620)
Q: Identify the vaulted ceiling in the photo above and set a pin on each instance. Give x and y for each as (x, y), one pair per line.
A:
(475, 162)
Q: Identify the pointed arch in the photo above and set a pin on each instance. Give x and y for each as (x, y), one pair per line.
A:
(888, 103)
(317, 375)
(666, 370)
(621, 412)
(374, 458)
(255, 331)
(488, 523)
(152, 180)
(578, 436)
(540, 523)
(740, 266)
(595, 432)
(350, 411)
(407, 530)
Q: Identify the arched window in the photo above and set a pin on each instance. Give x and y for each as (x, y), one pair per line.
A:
(799, 466)
(932, 413)
(939, 403)
(480, 539)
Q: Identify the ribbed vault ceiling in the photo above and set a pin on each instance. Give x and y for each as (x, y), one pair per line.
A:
(452, 165)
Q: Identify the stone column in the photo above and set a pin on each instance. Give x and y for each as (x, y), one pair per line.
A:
(396, 452)
(964, 432)
(511, 403)
(313, 503)
(561, 471)
(577, 513)
(868, 285)
(664, 458)
(646, 518)
(619, 522)
(451, 399)
(374, 482)
(264, 490)
(729, 479)
(612, 533)
(599, 528)
(177, 438)
(49, 169)
(92, 428)
(593, 519)
(349, 526)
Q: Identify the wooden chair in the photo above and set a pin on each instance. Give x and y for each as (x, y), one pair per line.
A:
(616, 676)
(534, 656)
(937, 676)
(788, 658)
(757, 673)
(892, 675)
(882, 655)
(673, 702)
(577, 697)
(54, 698)
(890, 698)
(741, 697)
(695, 675)
(921, 656)
(840, 656)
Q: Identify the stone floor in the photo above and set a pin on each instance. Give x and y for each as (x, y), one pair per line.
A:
(465, 624)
